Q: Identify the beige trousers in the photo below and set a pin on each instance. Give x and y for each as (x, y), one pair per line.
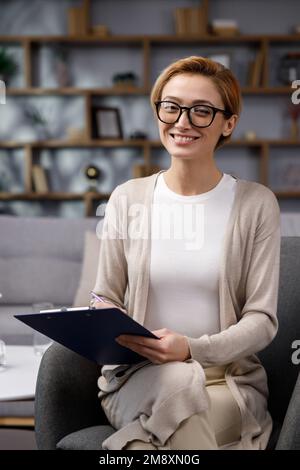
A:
(209, 430)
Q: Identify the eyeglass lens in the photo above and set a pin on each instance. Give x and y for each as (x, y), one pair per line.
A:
(200, 115)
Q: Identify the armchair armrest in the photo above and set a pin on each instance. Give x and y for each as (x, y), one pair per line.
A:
(66, 396)
(289, 438)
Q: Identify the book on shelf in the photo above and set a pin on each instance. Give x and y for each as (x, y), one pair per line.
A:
(39, 179)
(255, 70)
(191, 20)
(77, 21)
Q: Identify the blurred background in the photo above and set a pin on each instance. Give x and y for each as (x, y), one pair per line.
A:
(75, 121)
(76, 78)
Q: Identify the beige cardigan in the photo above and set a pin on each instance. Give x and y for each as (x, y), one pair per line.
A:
(248, 289)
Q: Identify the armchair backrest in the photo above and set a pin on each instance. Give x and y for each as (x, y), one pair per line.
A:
(277, 357)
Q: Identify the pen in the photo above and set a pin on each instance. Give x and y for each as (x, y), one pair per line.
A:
(97, 297)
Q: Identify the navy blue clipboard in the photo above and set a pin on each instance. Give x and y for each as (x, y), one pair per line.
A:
(90, 332)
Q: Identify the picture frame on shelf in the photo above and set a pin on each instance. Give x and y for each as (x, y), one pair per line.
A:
(223, 58)
(106, 123)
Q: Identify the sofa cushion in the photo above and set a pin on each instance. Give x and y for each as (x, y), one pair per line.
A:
(40, 258)
(86, 439)
(26, 280)
(89, 269)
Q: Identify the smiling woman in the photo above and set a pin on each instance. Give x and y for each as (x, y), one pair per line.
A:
(210, 294)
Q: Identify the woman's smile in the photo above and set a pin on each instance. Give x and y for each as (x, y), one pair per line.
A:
(183, 139)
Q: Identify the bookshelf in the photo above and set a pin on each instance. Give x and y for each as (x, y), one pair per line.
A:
(148, 47)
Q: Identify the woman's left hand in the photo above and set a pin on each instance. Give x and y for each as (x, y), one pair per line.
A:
(170, 347)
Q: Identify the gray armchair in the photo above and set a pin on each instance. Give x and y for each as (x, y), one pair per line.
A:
(68, 414)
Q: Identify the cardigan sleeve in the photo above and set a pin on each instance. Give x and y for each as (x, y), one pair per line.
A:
(111, 279)
(258, 323)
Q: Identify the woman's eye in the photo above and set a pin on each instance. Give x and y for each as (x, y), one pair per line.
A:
(171, 108)
(201, 111)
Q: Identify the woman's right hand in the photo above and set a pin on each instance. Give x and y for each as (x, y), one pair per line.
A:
(98, 304)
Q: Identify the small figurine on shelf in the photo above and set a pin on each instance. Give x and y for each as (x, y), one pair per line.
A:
(138, 135)
(38, 121)
(75, 134)
(61, 66)
(93, 174)
(291, 176)
(100, 30)
(8, 66)
(124, 79)
(250, 136)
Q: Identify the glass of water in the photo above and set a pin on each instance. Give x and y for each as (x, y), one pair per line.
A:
(40, 341)
(2, 355)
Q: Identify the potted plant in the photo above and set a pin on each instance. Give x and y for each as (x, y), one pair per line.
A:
(38, 121)
(8, 65)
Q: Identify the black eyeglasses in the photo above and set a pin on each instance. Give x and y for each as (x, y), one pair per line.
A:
(200, 115)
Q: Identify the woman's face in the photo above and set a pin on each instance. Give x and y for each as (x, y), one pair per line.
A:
(183, 139)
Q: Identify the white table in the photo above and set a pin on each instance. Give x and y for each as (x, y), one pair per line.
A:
(18, 379)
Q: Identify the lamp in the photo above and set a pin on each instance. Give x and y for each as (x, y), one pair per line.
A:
(93, 174)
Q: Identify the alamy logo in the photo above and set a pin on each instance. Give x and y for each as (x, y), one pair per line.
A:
(296, 353)
(296, 93)
(170, 222)
(2, 92)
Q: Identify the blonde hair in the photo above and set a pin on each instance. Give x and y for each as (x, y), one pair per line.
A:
(224, 80)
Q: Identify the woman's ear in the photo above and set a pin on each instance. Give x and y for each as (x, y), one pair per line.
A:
(229, 125)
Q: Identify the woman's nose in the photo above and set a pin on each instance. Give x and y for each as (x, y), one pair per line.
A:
(183, 121)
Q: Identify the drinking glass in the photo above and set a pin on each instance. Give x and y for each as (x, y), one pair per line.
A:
(2, 355)
(41, 342)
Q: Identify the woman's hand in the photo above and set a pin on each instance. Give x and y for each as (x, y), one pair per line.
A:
(170, 347)
(98, 304)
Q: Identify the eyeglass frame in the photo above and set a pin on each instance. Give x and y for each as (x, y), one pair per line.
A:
(188, 109)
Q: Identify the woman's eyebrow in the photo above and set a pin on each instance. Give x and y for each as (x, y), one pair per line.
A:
(193, 102)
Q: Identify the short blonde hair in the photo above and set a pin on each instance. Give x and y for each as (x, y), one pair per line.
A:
(224, 80)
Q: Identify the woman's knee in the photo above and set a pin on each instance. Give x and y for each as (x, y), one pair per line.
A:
(178, 374)
(194, 433)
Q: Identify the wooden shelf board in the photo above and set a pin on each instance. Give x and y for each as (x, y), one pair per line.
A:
(122, 39)
(55, 196)
(208, 38)
(284, 143)
(12, 144)
(287, 194)
(39, 196)
(151, 37)
(96, 196)
(97, 39)
(16, 421)
(126, 90)
(56, 144)
(73, 91)
(89, 143)
(281, 90)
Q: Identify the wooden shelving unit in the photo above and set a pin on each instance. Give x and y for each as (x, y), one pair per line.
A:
(146, 44)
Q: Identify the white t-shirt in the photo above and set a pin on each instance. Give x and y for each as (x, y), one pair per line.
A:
(187, 234)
